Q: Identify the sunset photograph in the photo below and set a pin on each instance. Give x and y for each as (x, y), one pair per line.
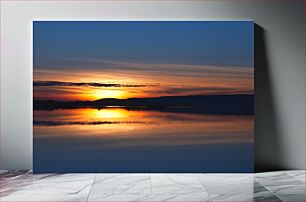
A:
(143, 96)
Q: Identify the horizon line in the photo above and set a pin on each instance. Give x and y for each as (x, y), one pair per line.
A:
(234, 94)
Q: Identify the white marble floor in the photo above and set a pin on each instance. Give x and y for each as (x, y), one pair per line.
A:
(286, 186)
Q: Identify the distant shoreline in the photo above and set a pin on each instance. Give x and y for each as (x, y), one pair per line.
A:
(209, 104)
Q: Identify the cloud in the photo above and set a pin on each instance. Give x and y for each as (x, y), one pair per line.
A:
(91, 84)
(200, 90)
(169, 69)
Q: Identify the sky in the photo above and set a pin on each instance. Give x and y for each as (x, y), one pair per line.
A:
(91, 60)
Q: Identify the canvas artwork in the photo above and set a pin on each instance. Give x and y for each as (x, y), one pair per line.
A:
(143, 96)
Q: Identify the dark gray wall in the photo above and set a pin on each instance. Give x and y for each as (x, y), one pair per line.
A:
(279, 63)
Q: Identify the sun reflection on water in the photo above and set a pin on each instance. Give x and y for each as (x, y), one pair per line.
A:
(123, 125)
(107, 113)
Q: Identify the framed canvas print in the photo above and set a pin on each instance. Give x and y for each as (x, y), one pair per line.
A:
(143, 96)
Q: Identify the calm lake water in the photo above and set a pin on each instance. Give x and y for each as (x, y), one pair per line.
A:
(120, 140)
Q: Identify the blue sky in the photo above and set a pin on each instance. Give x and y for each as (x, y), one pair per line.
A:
(57, 44)
(177, 58)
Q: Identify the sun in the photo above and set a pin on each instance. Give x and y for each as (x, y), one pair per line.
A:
(100, 94)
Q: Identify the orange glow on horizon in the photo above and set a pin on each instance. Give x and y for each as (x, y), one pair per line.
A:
(100, 94)
(157, 80)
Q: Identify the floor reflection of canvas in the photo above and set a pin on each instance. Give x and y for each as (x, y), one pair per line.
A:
(143, 96)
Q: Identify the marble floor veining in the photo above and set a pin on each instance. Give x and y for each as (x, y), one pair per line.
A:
(280, 186)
